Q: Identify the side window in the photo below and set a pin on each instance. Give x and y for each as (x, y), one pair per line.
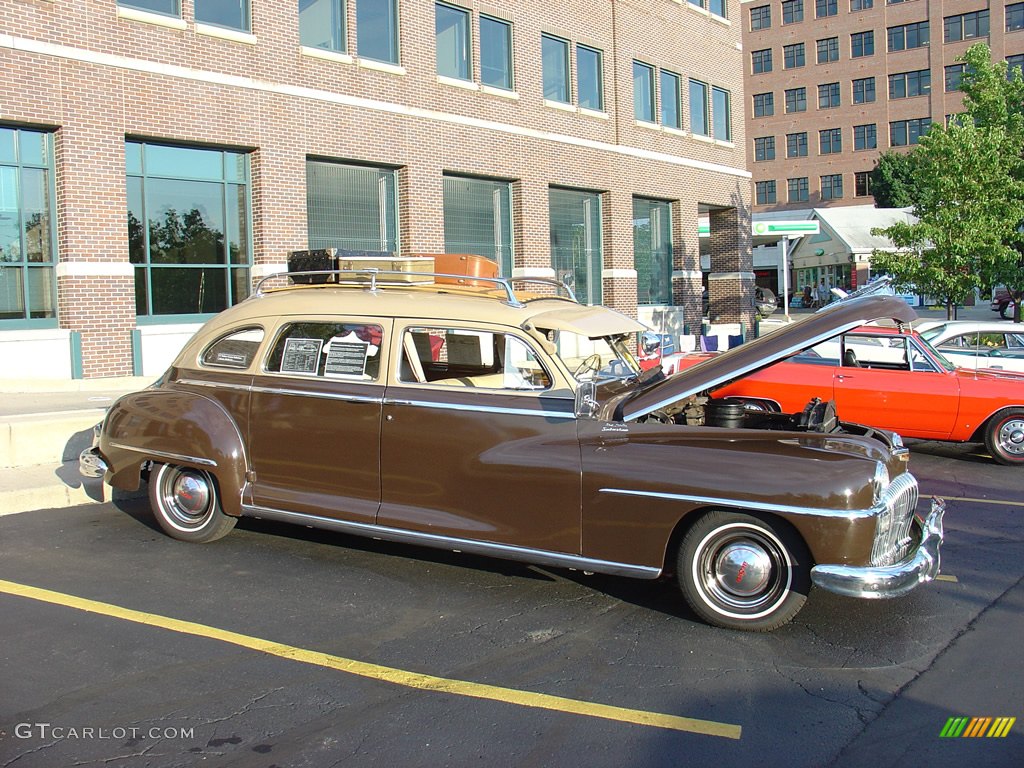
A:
(236, 350)
(458, 357)
(331, 350)
(919, 361)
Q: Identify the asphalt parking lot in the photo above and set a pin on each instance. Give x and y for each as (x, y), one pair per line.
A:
(285, 646)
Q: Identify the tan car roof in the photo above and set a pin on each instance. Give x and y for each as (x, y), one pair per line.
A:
(427, 302)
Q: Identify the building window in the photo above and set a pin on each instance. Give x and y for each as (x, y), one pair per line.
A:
(862, 184)
(828, 96)
(792, 11)
(764, 148)
(903, 133)
(823, 8)
(230, 14)
(322, 24)
(904, 85)
(699, 108)
(555, 63)
(163, 7)
(643, 92)
(478, 219)
(793, 56)
(828, 50)
(832, 186)
(454, 49)
(765, 192)
(864, 90)
(496, 53)
(27, 228)
(796, 100)
(590, 78)
(1015, 62)
(377, 30)
(576, 250)
(721, 112)
(908, 36)
(762, 60)
(761, 17)
(796, 144)
(861, 5)
(189, 228)
(862, 44)
(966, 26)
(652, 251)
(865, 136)
(716, 7)
(351, 206)
(1014, 17)
(671, 100)
(764, 104)
(798, 190)
(830, 141)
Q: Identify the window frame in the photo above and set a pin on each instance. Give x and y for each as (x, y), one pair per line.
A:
(794, 56)
(830, 141)
(392, 21)
(761, 61)
(798, 100)
(764, 104)
(867, 87)
(597, 71)
(644, 89)
(802, 188)
(830, 98)
(827, 50)
(463, 60)
(675, 102)
(508, 83)
(796, 145)
(866, 136)
(764, 149)
(792, 11)
(765, 192)
(565, 85)
(834, 186)
(338, 26)
(864, 41)
(760, 17)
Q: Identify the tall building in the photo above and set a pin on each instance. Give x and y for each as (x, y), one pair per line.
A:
(831, 84)
(157, 156)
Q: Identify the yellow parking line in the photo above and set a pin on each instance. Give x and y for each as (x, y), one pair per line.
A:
(382, 673)
(947, 577)
(981, 501)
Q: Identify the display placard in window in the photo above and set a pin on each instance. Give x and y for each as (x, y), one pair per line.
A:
(301, 356)
(346, 358)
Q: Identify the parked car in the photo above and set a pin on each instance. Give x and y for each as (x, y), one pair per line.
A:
(970, 344)
(892, 378)
(492, 422)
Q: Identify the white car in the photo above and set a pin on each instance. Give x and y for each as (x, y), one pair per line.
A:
(970, 344)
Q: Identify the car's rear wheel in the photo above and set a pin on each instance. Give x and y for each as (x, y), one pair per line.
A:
(1004, 436)
(742, 572)
(1003, 306)
(186, 504)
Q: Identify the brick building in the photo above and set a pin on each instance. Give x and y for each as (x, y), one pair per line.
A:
(831, 84)
(157, 156)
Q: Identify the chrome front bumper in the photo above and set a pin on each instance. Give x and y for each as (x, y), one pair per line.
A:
(892, 580)
(91, 464)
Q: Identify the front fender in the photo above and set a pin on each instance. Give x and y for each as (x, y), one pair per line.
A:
(179, 427)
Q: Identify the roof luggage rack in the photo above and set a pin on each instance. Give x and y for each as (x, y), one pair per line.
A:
(373, 279)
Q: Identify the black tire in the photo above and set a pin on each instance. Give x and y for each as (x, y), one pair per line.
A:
(186, 504)
(1003, 306)
(1004, 436)
(723, 549)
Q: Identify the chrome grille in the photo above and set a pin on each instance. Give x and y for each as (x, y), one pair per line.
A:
(895, 518)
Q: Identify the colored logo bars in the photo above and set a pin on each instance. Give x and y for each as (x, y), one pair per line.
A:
(976, 727)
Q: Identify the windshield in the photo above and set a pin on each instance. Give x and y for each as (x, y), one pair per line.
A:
(605, 357)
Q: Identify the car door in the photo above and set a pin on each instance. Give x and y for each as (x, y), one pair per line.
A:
(475, 443)
(314, 425)
(889, 381)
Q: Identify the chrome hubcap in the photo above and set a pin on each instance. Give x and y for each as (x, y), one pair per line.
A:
(742, 568)
(188, 498)
(1011, 437)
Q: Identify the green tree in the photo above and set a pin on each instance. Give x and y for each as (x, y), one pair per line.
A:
(893, 183)
(969, 199)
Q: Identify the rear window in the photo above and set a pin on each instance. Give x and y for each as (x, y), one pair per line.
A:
(331, 350)
(236, 350)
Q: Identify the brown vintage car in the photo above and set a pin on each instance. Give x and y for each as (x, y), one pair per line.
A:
(521, 426)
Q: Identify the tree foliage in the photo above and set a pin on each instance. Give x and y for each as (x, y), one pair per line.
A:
(968, 193)
(893, 183)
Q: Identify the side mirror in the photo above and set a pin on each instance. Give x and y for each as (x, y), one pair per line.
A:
(586, 400)
(649, 343)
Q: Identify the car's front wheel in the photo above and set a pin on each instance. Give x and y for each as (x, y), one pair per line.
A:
(1004, 436)
(186, 504)
(742, 572)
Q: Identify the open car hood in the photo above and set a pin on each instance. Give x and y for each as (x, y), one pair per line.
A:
(590, 321)
(760, 353)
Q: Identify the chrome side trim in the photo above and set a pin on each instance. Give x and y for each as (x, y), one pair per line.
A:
(480, 409)
(166, 455)
(892, 580)
(851, 514)
(321, 395)
(486, 548)
(212, 384)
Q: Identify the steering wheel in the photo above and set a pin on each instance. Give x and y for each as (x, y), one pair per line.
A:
(591, 363)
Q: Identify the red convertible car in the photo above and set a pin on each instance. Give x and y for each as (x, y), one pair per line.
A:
(891, 378)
